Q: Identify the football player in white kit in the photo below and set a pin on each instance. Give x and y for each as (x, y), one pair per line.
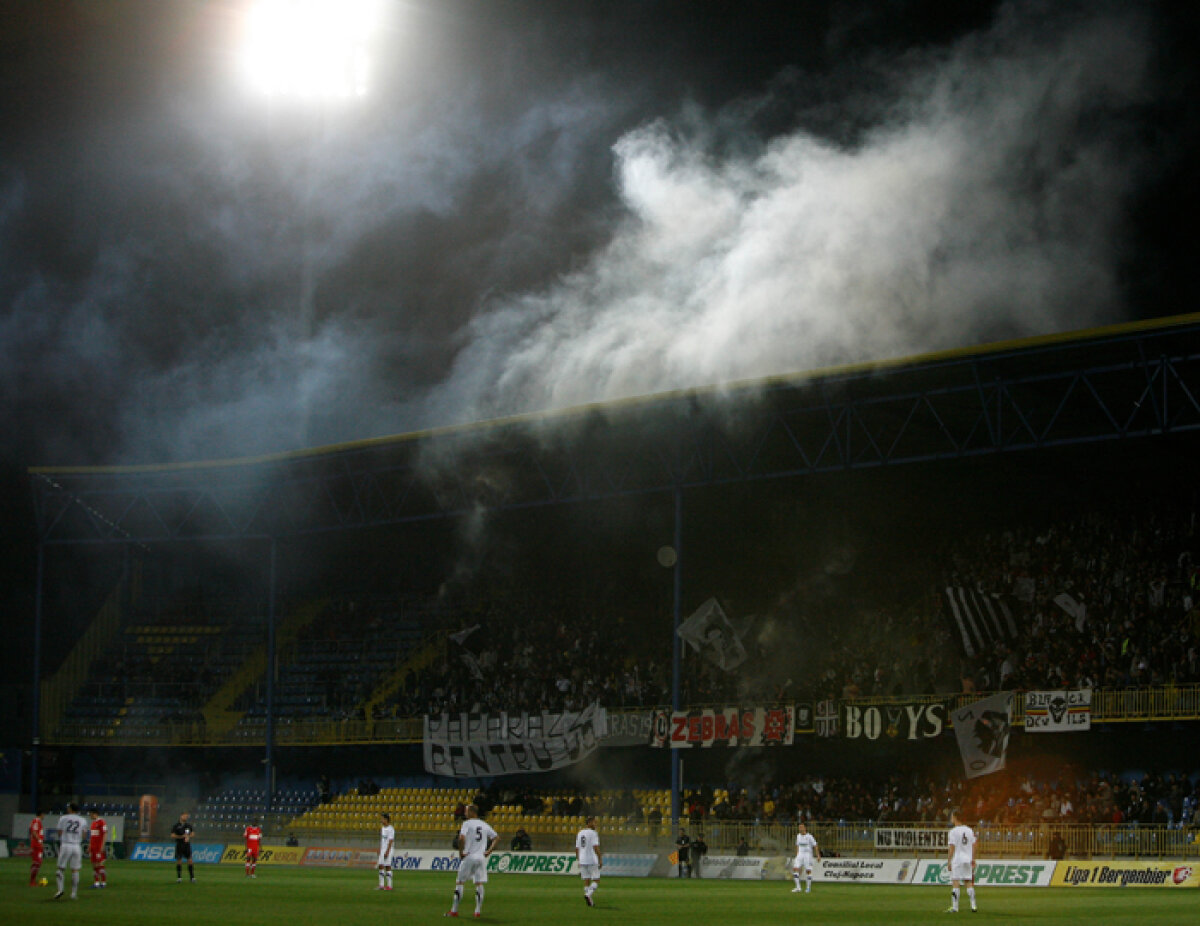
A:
(387, 842)
(589, 859)
(806, 848)
(71, 827)
(476, 840)
(960, 859)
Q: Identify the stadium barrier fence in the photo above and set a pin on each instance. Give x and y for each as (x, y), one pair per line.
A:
(1120, 705)
(858, 840)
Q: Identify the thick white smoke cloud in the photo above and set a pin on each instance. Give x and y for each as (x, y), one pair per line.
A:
(978, 194)
(988, 203)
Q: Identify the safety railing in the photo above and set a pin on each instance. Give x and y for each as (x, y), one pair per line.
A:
(849, 839)
(1122, 705)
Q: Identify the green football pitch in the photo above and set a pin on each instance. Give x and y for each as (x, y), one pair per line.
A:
(142, 893)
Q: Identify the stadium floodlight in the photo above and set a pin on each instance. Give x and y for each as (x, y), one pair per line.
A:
(308, 49)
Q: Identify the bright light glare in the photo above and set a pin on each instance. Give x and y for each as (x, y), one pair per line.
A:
(309, 49)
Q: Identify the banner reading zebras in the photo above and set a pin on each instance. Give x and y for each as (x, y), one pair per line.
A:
(479, 745)
(981, 618)
(730, 726)
(1068, 711)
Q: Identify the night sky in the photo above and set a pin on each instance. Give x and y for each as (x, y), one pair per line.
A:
(538, 205)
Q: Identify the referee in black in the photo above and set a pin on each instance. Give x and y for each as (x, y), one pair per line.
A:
(181, 832)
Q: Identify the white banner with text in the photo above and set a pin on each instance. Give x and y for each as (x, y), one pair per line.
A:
(482, 745)
(1065, 711)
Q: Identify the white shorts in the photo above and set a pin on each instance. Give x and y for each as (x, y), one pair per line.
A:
(589, 872)
(70, 857)
(803, 861)
(473, 868)
(384, 861)
(961, 871)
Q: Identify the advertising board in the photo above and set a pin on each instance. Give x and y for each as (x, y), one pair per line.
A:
(735, 867)
(991, 873)
(1127, 874)
(268, 855)
(203, 853)
(616, 864)
(330, 857)
(866, 870)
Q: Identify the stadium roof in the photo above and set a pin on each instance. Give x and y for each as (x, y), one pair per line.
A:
(1127, 381)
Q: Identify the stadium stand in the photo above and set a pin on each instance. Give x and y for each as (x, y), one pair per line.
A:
(1101, 596)
(434, 814)
(158, 676)
(337, 661)
(226, 812)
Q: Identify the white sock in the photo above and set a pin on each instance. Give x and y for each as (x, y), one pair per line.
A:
(478, 898)
(381, 877)
(954, 898)
(796, 878)
(810, 882)
(74, 882)
(58, 880)
(971, 895)
(457, 898)
(387, 874)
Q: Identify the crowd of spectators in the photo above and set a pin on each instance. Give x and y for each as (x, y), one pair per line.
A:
(1007, 800)
(1105, 597)
(1129, 618)
(534, 802)
(524, 651)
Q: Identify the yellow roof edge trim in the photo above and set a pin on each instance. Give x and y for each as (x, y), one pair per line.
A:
(955, 353)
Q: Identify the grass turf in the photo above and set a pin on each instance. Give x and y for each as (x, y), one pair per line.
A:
(142, 893)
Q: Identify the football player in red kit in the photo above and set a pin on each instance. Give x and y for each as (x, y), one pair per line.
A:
(37, 847)
(97, 837)
(253, 841)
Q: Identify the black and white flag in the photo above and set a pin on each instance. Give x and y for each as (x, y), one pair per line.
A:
(464, 655)
(827, 718)
(982, 730)
(1063, 711)
(461, 637)
(981, 617)
(710, 632)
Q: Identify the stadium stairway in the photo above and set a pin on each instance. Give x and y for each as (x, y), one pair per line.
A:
(423, 658)
(60, 689)
(220, 716)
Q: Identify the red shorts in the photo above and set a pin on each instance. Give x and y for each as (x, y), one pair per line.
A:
(252, 855)
(35, 855)
(98, 857)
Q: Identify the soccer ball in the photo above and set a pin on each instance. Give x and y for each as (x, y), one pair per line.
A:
(43, 882)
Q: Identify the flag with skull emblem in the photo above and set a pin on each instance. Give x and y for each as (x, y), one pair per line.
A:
(982, 730)
(1063, 711)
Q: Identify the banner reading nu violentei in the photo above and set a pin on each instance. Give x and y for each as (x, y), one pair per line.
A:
(471, 745)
